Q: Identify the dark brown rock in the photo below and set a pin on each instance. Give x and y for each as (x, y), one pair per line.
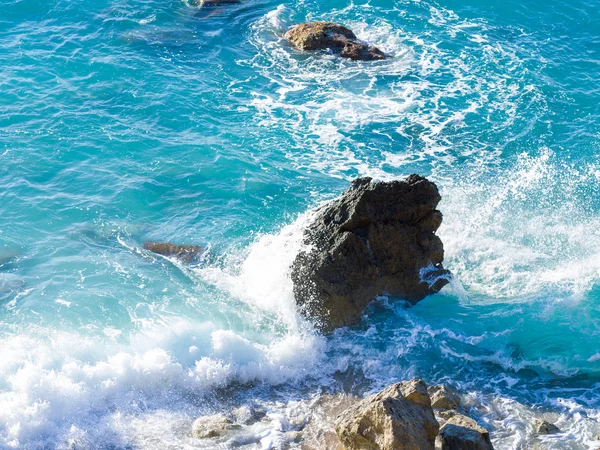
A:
(187, 253)
(375, 238)
(337, 38)
(359, 51)
(398, 418)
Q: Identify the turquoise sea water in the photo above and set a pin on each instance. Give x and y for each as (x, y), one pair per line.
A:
(123, 121)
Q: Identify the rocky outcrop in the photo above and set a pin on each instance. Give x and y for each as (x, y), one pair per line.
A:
(398, 418)
(443, 397)
(463, 433)
(206, 427)
(186, 253)
(542, 427)
(375, 238)
(330, 36)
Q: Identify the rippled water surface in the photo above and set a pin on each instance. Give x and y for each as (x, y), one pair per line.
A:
(123, 121)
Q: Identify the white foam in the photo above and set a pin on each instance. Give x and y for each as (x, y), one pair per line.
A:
(57, 383)
(525, 233)
(260, 276)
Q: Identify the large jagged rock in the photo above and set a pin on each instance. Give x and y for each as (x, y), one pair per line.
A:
(463, 433)
(398, 418)
(337, 38)
(375, 238)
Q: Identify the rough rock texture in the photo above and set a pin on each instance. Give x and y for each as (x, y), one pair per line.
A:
(443, 397)
(398, 418)
(337, 38)
(186, 253)
(463, 433)
(212, 426)
(545, 427)
(375, 238)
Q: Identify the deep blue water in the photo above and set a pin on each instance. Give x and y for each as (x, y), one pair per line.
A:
(123, 121)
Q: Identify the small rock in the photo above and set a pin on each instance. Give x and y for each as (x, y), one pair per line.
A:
(293, 436)
(215, 2)
(247, 415)
(463, 433)
(186, 253)
(212, 426)
(544, 427)
(398, 418)
(337, 38)
(443, 397)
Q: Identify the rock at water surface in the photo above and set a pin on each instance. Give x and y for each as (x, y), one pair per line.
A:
(209, 3)
(248, 414)
(463, 433)
(206, 427)
(398, 418)
(186, 253)
(337, 38)
(376, 238)
(544, 427)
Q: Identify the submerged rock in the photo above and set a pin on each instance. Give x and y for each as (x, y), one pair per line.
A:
(399, 417)
(375, 238)
(206, 427)
(209, 3)
(443, 397)
(463, 433)
(186, 253)
(545, 427)
(8, 255)
(337, 38)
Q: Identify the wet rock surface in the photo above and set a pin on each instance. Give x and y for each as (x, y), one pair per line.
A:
(397, 418)
(186, 253)
(375, 238)
(330, 36)
(209, 3)
(207, 427)
(463, 433)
